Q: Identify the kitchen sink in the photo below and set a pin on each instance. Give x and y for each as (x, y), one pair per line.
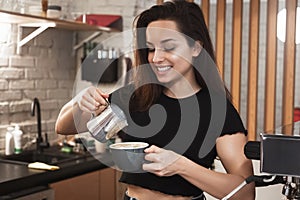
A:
(49, 156)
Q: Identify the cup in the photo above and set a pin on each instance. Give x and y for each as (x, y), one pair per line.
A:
(129, 156)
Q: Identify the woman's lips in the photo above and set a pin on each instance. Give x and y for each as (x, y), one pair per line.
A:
(163, 69)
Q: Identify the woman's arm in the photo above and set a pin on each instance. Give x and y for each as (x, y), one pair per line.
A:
(75, 114)
(238, 168)
(230, 150)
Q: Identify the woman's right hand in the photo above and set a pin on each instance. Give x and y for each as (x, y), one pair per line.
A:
(92, 100)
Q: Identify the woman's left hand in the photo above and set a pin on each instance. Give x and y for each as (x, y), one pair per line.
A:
(162, 162)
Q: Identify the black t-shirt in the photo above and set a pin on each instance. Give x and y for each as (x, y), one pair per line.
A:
(178, 125)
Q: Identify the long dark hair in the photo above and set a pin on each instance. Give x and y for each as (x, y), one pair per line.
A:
(190, 21)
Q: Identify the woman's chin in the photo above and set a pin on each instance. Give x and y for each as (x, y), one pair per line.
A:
(163, 78)
(163, 81)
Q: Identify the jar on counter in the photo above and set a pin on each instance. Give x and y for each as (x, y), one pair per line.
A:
(54, 11)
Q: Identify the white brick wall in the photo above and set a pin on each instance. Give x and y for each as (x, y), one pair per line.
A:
(19, 106)
(11, 73)
(21, 84)
(3, 85)
(45, 69)
(3, 61)
(4, 108)
(10, 95)
(21, 61)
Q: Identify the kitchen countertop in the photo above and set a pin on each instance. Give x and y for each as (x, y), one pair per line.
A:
(15, 177)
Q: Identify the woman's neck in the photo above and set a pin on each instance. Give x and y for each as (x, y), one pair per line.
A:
(181, 90)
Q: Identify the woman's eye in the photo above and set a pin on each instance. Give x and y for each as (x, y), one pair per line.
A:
(166, 48)
(169, 48)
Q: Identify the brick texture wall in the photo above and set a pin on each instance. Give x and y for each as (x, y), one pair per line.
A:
(45, 69)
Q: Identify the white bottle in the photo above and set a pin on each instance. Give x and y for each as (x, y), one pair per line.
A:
(17, 133)
(9, 141)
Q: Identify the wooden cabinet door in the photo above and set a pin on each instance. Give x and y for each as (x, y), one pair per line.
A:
(107, 184)
(99, 185)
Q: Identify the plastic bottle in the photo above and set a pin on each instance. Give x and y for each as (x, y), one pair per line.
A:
(9, 141)
(17, 133)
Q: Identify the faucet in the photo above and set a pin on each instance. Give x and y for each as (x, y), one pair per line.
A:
(40, 144)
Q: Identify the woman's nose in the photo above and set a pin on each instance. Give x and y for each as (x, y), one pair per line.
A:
(158, 56)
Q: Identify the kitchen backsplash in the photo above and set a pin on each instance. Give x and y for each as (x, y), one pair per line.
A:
(46, 68)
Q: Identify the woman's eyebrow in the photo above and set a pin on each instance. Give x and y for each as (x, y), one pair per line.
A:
(167, 40)
(163, 41)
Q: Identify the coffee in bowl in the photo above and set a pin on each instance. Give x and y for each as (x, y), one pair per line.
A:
(129, 156)
(129, 145)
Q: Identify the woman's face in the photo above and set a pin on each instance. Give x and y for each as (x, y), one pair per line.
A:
(169, 53)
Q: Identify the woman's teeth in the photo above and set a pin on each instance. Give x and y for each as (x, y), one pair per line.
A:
(163, 69)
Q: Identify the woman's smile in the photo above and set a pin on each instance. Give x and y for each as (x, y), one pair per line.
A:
(163, 68)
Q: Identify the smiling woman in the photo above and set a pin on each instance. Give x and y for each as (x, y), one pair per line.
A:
(177, 104)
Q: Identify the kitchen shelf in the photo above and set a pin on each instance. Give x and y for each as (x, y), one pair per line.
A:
(27, 20)
(42, 23)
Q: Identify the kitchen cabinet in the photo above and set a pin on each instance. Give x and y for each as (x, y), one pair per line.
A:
(98, 185)
(120, 187)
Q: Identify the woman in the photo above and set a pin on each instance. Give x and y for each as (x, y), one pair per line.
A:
(172, 70)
